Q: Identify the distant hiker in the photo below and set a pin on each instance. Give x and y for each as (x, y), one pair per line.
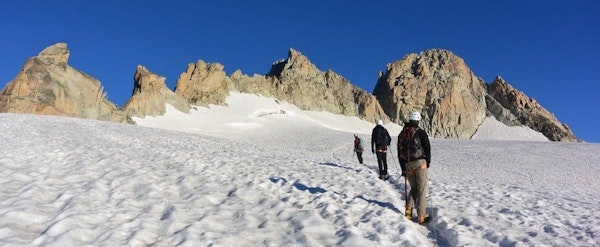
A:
(358, 148)
(380, 140)
(414, 155)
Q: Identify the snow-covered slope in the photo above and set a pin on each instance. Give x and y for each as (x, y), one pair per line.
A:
(246, 113)
(492, 129)
(254, 176)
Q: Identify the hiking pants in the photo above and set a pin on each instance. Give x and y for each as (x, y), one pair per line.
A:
(359, 154)
(382, 162)
(416, 173)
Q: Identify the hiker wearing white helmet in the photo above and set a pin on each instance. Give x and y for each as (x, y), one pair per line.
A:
(414, 156)
(380, 140)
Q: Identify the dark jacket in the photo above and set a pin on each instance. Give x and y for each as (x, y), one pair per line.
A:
(424, 138)
(358, 144)
(379, 132)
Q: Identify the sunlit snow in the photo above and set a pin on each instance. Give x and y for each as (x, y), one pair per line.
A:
(260, 172)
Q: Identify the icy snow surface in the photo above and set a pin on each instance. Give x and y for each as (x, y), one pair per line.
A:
(260, 172)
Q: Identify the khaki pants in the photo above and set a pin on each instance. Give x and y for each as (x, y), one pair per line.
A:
(416, 173)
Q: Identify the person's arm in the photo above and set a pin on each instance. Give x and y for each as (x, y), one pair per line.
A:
(426, 146)
(373, 141)
(388, 135)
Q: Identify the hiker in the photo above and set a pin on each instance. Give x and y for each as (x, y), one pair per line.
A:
(380, 140)
(358, 148)
(414, 156)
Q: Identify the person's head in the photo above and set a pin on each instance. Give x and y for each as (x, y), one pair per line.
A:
(414, 117)
(379, 122)
(355, 136)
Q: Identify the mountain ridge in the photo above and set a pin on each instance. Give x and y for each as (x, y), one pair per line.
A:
(454, 101)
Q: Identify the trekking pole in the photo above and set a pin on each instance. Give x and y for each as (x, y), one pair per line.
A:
(405, 194)
(405, 186)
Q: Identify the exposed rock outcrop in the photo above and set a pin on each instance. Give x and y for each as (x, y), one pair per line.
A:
(48, 85)
(203, 83)
(529, 112)
(150, 94)
(452, 100)
(439, 84)
(501, 114)
(295, 80)
(300, 82)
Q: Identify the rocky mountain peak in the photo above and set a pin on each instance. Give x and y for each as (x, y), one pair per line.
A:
(55, 54)
(439, 84)
(296, 62)
(203, 83)
(529, 112)
(151, 94)
(298, 81)
(144, 80)
(48, 85)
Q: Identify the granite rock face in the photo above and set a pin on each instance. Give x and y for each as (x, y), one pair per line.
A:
(529, 112)
(301, 83)
(150, 96)
(295, 80)
(452, 100)
(203, 83)
(439, 84)
(48, 85)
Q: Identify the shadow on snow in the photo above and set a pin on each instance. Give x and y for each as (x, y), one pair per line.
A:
(381, 204)
(298, 185)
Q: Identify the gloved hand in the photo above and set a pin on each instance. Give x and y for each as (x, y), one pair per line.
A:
(372, 150)
(403, 174)
(428, 165)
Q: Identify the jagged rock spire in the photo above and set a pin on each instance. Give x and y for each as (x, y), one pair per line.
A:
(48, 85)
(55, 54)
(151, 94)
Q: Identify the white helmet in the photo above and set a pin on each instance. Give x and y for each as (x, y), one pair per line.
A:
(414, 115)
(379, 122)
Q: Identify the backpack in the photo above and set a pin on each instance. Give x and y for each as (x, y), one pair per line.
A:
(409, 144)
(358, 145)
(383, 137)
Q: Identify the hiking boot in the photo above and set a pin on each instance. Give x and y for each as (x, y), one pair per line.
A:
(408, 213)
(423, 219)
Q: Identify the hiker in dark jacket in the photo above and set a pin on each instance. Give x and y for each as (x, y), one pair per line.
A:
(380, 139)
(414, 156)
(358, 148)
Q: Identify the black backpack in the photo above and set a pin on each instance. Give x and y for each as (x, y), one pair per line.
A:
(409, 144)
(383, 137)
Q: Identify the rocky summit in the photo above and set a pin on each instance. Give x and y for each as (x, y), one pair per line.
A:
(301, 83)
(439, 84)
(150, 94)
(529, 112)
(452, 99)
(48, 85)
(295, 80)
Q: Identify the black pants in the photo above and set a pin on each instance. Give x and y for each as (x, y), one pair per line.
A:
(382, 162)
(359, 154)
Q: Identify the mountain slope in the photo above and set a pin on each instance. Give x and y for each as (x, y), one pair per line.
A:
(108, 184)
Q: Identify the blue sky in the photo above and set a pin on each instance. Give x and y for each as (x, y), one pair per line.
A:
(547, 49)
